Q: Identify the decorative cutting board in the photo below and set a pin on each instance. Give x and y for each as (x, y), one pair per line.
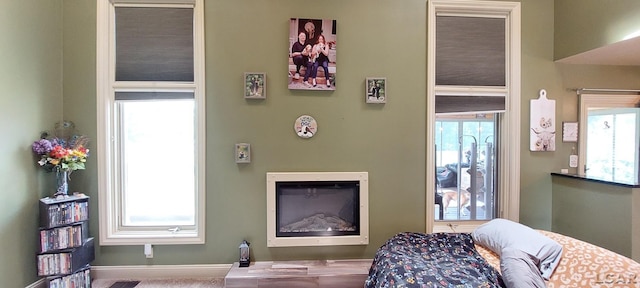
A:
(543, 123)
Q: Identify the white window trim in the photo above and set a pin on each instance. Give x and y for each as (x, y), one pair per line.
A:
(110, 231)
(508, 152)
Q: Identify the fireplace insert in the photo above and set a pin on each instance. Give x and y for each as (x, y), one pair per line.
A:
(317, 208)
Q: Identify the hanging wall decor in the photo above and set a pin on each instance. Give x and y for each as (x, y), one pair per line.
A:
(376, 90)
(243, 153)
(569, 131)
(255, 85)
(305, 126)
(543, 127)
(312, 54)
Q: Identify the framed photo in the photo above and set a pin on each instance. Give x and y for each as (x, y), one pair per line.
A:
(255, 85)
(569, 131)
(376, 90)
(243, 153)
(312, 54)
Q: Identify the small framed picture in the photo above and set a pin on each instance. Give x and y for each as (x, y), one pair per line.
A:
(255, 85)
(243, 153)
(569, 131)
(376, 90)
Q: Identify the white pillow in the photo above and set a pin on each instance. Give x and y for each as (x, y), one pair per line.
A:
(499, 234)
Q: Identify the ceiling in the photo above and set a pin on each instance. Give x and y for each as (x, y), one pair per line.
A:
(625, 52)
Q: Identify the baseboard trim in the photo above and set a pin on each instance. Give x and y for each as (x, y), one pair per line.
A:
(159, 271)
(38, 284)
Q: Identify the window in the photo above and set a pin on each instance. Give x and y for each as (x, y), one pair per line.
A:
(464, 144)
(151, 122)
(609, 139)
(473, 113)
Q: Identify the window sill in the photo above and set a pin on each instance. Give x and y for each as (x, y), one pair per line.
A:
(138, 238)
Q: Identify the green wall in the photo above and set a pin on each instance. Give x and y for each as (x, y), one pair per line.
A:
(535, 182)
(385, 38)
(583, 25)
(30, 102)
(586, 210)
(388, 40)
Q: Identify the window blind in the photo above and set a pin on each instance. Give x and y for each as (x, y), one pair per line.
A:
(469, 104)
(470, 52)
(154, 44)
(152, 95)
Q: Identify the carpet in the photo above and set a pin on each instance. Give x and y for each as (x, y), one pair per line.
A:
(159, 283)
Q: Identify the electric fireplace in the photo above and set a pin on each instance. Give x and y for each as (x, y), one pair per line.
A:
(317, 209)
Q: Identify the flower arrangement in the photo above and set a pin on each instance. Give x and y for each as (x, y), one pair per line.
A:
(62, 151)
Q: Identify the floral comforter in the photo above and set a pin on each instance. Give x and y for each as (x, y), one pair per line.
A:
(431, 260)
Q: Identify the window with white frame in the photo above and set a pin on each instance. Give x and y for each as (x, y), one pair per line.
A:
(465, 143)
(608, 135)
(612, 144)
(150, 80)
(473, 113)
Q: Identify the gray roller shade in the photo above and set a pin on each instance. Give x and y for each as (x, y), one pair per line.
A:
(470, 51)
(469, 104)
(154, 44)
(152, 95)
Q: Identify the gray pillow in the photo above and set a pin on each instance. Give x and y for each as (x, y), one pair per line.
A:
(499, 234)
(520, 270)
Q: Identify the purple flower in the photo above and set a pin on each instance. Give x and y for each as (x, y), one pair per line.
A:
(57, 141)
(42, 146)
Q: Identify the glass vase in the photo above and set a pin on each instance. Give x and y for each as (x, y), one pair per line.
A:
(62, 183)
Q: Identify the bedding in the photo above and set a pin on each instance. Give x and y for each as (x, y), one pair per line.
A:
(583, 265)
(408, 259)
(431, 260)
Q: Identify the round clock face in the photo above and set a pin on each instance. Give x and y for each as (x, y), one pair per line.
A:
(305, 126)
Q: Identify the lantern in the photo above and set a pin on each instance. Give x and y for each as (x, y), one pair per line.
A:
(245, 258)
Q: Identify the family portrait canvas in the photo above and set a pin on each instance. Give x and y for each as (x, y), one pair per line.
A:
(255, 85)
(312, 54)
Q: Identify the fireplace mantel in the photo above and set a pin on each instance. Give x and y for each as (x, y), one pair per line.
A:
(360, 180)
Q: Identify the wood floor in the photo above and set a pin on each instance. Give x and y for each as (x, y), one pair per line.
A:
(162, 283)
(295, 274)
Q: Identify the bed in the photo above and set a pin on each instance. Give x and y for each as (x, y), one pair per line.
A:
(468, 260)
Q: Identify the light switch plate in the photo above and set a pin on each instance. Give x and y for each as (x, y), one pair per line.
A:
(573, 161)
